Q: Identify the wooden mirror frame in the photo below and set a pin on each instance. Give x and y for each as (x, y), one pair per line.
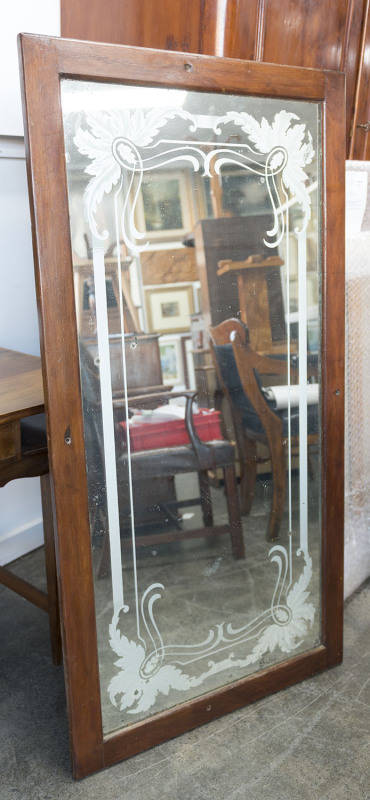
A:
(44, 61)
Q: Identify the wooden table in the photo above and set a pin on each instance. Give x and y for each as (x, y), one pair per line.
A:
(22, 456)
(21, 396)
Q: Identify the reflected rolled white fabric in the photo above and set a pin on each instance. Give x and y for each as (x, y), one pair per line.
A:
(280, 395)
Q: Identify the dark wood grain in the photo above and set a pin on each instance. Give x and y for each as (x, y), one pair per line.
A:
(164, 25)
(43, 62)
(319, 33)
(24, 466)
(360, 131)
(351, 59)
(52, 256)
(114, 63)
(316, 34)
(332, 366)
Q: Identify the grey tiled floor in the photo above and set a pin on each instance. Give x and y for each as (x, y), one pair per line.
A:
(309, 741)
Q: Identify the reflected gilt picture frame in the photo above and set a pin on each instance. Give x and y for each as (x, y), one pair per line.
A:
(45, 64)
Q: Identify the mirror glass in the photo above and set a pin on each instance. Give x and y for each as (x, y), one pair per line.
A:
(188, 210)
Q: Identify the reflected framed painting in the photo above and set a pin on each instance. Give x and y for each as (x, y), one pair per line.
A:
(188, 585)
(173, 368)
(169, 308)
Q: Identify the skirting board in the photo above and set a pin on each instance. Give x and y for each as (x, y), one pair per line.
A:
(18, 542)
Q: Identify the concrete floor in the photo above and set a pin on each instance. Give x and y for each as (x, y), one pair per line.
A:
(309, 741)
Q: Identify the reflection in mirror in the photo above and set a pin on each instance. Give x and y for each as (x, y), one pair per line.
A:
(194, 229)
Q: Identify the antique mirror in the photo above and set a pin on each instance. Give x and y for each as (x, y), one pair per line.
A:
(188, 237)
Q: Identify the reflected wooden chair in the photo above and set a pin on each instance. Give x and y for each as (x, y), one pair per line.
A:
(196, 457)
(200, 457)
(239, 369)
(159, 463)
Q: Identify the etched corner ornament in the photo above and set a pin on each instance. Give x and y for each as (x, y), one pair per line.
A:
(148, 667)
(125, 144)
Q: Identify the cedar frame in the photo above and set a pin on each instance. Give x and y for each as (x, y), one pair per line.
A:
(44, 61)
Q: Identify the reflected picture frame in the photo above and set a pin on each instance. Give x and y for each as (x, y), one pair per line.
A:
(172, 192)
(169, 308)
(171, 356)
(44, 63)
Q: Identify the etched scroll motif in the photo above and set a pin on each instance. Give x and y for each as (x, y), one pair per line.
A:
(281, 134)
(144, 673)
(119, 142)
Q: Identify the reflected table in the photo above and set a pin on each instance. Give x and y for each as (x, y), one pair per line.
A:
(24, 454)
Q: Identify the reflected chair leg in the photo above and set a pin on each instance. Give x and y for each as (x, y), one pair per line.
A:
(278, 466)
(248, 476)
(51, 572)
(205, 498)
(237, 542)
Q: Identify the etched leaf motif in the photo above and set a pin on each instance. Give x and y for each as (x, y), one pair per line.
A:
(298, 595)
(288, 636)
(142, 128)
(276, 161)
(98, 144)
(104, 168)
(281, 133)
(126, 154)
(168, 677)
(127, 682)
(129, 685)
(260, 133)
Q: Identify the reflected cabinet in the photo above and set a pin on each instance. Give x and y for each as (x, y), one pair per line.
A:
(199, 543)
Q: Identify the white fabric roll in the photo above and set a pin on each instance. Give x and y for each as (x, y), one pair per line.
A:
(280, 395)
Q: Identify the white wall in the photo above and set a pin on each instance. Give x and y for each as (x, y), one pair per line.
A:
(20, 503)
(22, 16)
(18, 314)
